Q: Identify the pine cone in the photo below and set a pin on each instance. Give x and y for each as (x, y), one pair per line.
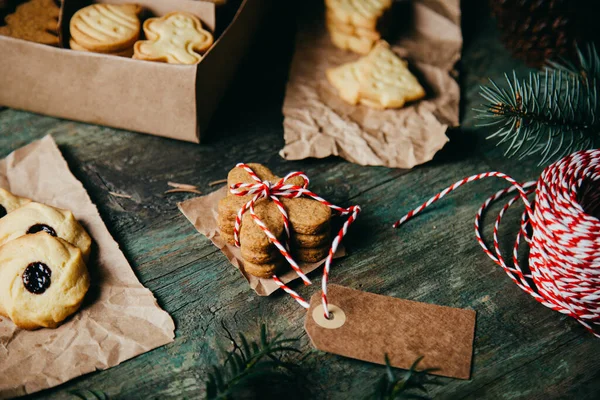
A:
(537, 30)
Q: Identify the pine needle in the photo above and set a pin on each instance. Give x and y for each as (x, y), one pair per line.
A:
(219, 182)
(124, 196)
(412, 384)
(181, 185)
(252, 360)
(550, 114)
(182, 190)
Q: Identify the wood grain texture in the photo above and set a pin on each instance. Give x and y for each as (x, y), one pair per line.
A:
(522, 350)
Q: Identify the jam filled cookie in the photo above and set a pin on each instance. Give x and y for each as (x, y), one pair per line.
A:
(9, 202)
(36, 217)
(43, 280)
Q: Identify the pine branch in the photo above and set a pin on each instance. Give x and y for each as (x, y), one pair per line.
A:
(552, 114)
(250, 361)
(410, 385)
(589, 64)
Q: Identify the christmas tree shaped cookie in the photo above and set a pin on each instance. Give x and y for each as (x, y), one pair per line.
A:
(379, 80)
(358, 13)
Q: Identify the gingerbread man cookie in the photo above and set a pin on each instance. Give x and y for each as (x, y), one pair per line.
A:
(176, 38)
(43, 280)
(34, 20)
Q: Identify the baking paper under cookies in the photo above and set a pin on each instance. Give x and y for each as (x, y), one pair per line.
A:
(202, 212)
(319, 124)
(119, 319)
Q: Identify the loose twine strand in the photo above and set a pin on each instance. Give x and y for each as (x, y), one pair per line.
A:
(267, 190)
(564, 243)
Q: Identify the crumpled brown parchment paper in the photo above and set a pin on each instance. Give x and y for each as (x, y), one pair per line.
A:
(202, 212)
(318, 123)
(119, 319)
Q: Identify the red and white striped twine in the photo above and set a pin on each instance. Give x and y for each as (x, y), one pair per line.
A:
(264, 189)
(564, 244)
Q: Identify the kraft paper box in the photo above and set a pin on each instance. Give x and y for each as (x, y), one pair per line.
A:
(175, 101)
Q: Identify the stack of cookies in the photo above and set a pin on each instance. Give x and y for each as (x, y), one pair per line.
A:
(379, 80)
(355, 24)
(43, 253)
(310, 225)
(106, 28)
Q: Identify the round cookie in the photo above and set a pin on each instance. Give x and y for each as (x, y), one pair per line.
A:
(122, 53)
(106, 28)
(43, 280)
(35, 217)
(9, 202)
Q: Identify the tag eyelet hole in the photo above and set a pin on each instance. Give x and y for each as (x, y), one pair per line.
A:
(337, 317)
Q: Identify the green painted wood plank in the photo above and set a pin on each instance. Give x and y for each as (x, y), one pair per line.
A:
(522, 349)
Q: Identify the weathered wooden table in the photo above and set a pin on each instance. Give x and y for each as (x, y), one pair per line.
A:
(521, 349)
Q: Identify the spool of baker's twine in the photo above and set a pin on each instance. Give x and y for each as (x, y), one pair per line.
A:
(562, 229)
(267, 190)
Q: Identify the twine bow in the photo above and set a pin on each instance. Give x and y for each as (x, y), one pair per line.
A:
(282, 188)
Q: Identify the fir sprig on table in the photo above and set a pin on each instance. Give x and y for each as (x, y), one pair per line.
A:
(412, 384)
(250, 361)
(551, 113)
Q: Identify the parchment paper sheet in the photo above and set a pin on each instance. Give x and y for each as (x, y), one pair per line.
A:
(119, 319)
(318, 123)
(202, 212)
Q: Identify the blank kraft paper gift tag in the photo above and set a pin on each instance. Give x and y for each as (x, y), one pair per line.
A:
(367, 326)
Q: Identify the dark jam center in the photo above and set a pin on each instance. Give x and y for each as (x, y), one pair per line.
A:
(2, 211)
(36, 277)
(41, 228)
